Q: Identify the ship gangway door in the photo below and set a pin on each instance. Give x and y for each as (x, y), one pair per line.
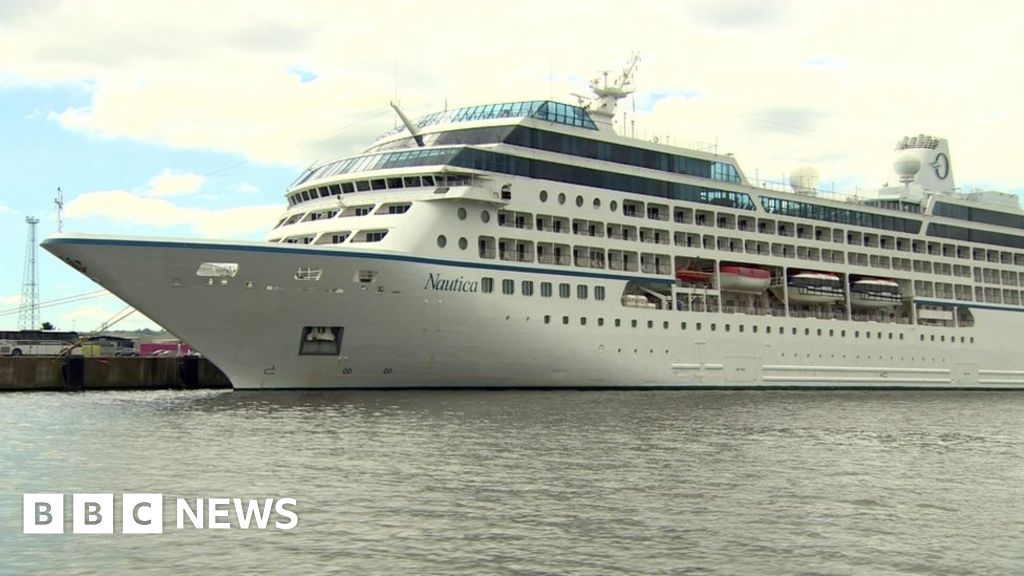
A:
(965, 375)
(743, 370)
(432, 311)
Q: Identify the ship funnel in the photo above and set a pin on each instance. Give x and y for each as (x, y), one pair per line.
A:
(924, 160)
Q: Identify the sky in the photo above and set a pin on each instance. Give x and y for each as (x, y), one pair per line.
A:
(190, 119)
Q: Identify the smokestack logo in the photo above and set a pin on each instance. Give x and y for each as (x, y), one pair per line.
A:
(941, 166)
(144, 513)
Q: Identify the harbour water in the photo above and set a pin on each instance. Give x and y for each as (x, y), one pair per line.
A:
(530, 482)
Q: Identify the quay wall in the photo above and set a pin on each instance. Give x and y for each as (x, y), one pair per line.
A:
(27, 373)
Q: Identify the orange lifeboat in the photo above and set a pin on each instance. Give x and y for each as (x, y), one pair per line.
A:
(688, 276)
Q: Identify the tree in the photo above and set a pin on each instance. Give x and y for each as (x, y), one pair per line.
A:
(48, 326)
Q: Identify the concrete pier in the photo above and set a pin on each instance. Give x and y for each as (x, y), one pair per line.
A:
(28, 373)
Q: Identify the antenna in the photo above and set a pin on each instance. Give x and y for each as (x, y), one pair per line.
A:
(28, 316)
(59, 202)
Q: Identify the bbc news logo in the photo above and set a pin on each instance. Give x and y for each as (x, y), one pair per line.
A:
(144, 513)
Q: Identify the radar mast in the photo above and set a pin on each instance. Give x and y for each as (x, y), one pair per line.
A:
(607, 94)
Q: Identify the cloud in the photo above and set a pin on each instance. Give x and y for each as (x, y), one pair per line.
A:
(170, 183)
(127, 207)
(737, 13)
(217, 76)
(246, 188)
(10, 300)
(5, 209)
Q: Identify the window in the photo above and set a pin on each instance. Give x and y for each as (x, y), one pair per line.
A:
(376, 235)
(527, 288)
(308, 274)
(462, 213)
(217, 270)
(563, 290)
(565, 320)
(363, 210)
(508, 286)
(545, 289)
(581, 291)
(487, 285)
(442, 241)
(598, 292)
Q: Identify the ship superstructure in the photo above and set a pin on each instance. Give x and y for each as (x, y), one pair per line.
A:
(528, 244)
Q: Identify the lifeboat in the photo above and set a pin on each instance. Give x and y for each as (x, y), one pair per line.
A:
(815, 288)
(687, 276)
(874, 293)
(745, 279)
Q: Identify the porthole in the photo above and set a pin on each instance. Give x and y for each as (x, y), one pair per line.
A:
(561, 198)
(463, 243)
(543, 195)
(597, 203)
(462, 213)
(579, 201)
(441, 241)
(485, 216)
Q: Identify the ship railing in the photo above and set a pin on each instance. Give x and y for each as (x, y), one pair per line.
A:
(696, 306)
(521, 225)
(551, 259)
(516, 256)
(817, 290)
(890, 319)
(754, 310)
(879, 296)
(819, 314)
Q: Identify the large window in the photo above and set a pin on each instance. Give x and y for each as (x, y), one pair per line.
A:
(975, 235)
(828, 213)
(973, 214)
(494, 162)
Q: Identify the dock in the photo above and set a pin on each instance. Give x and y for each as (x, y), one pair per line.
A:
(76, 373)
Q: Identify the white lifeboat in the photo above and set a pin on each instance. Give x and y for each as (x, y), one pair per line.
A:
(875, 293)
(815, 288)
(745, 279)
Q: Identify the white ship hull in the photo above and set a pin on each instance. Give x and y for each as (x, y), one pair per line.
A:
(415, 325)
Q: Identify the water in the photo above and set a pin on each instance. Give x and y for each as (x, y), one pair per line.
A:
(516, 482)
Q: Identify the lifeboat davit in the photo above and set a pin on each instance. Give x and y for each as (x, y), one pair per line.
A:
(815, 288)
(875, 293)
(745, 279)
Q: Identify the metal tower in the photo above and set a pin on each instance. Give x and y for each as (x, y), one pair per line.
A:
(28, 317)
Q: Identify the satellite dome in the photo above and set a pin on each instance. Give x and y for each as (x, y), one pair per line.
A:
(907, 165)
(804, 180)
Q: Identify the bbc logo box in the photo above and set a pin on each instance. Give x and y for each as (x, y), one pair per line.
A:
(92, 514)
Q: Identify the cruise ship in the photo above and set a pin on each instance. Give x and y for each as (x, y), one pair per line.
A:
(531, 245)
